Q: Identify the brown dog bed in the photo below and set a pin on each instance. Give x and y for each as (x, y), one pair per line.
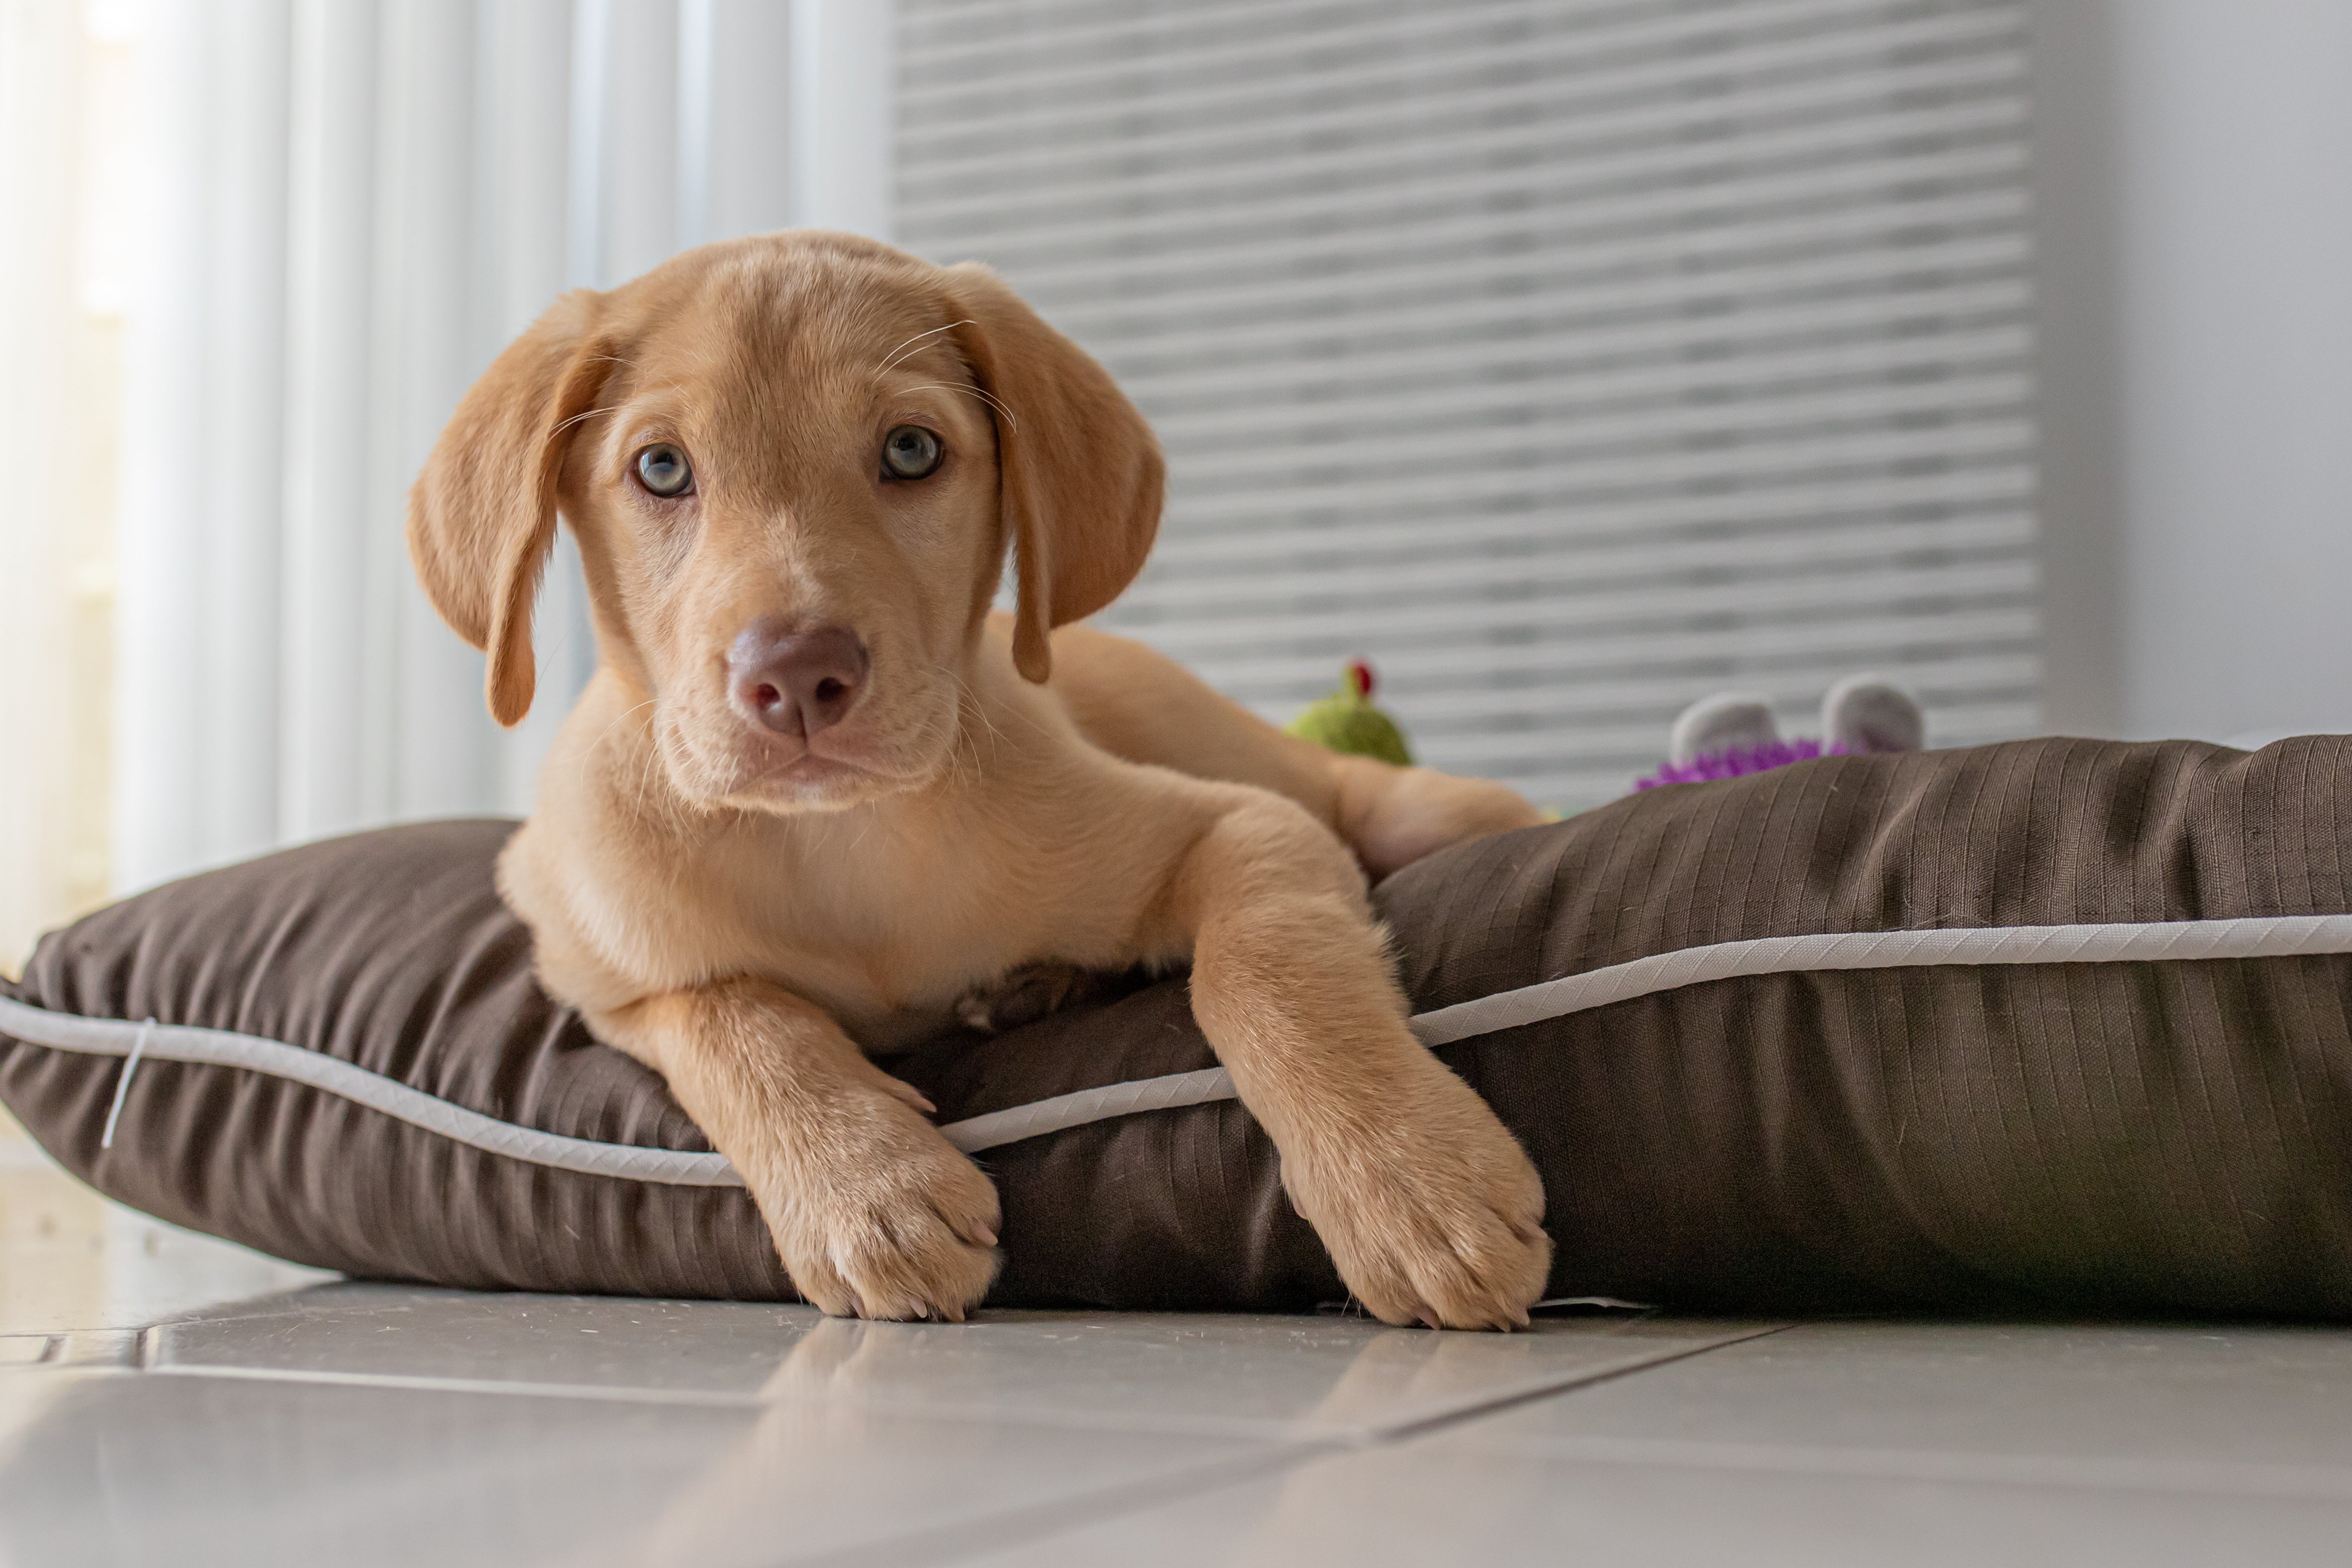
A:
(2054, 1024)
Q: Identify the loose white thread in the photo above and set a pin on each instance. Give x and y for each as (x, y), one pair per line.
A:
(122, 1084)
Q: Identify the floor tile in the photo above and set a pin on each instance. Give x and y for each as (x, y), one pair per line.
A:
(2196, 1407)
(1412, 1505)
(1836, 1442)
(136, 1468)
(72, 1260)
(711, 1352)
(1289, 1378)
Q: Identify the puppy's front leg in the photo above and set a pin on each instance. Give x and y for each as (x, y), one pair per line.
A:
(1430, 1209)
(874, 1213)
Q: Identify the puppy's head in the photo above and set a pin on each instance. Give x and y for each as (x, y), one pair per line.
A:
(793, 465)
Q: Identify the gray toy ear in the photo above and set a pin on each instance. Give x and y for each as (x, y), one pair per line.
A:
(1728, 721)
(1867, 714)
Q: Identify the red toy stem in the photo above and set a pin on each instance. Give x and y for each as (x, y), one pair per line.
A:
(1359, 678)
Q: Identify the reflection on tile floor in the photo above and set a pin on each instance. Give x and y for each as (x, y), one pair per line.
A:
(169, 1399)
(1298, 1378)
(164, 1470)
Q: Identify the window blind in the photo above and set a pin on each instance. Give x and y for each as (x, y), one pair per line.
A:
(1571, 360)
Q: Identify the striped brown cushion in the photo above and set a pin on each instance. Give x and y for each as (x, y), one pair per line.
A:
(2054, 1024)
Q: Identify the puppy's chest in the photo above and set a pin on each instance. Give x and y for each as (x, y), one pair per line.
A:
(891, 951)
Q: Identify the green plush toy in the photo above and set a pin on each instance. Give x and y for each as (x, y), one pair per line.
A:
(1347, 721)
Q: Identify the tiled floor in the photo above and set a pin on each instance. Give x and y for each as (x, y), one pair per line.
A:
(168, 1400)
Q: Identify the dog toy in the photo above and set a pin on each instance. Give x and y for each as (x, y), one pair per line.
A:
(1732, 734)
(1347, 721)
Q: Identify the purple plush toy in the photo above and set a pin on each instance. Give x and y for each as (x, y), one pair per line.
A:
(1731, 733)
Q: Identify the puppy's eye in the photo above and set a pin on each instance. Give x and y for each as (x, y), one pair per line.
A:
(911, 452)
(664, 470)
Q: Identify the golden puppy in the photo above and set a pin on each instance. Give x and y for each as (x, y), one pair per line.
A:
(817, 793)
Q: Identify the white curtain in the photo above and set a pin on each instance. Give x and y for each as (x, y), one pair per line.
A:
(351, 206)
(54, 528)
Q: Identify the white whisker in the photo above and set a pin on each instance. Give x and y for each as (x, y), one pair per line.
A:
(982, 393)
(584, 414)
(906, 351)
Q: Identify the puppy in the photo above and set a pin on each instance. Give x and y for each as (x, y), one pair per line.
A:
(817, 792)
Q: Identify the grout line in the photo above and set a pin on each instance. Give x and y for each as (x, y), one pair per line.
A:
(413, 1383)
(1410, 1430)
(755, 1400)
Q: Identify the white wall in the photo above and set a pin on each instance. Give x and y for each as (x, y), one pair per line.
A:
(2195, 223)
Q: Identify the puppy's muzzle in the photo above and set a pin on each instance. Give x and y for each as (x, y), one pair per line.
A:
(795, 683)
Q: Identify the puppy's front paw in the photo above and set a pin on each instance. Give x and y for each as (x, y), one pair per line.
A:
(893, 1223)
(1437, 1218)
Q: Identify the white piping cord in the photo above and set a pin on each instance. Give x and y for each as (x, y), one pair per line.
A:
(2167, 941)
(2274, 936)
(1041, 1116)
(2261, 936)
(224, 1048)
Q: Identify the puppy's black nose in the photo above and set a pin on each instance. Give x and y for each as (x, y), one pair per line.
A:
(795, 683)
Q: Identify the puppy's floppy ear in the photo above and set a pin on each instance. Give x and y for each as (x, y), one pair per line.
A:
(1079, 473)
(481, 517)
